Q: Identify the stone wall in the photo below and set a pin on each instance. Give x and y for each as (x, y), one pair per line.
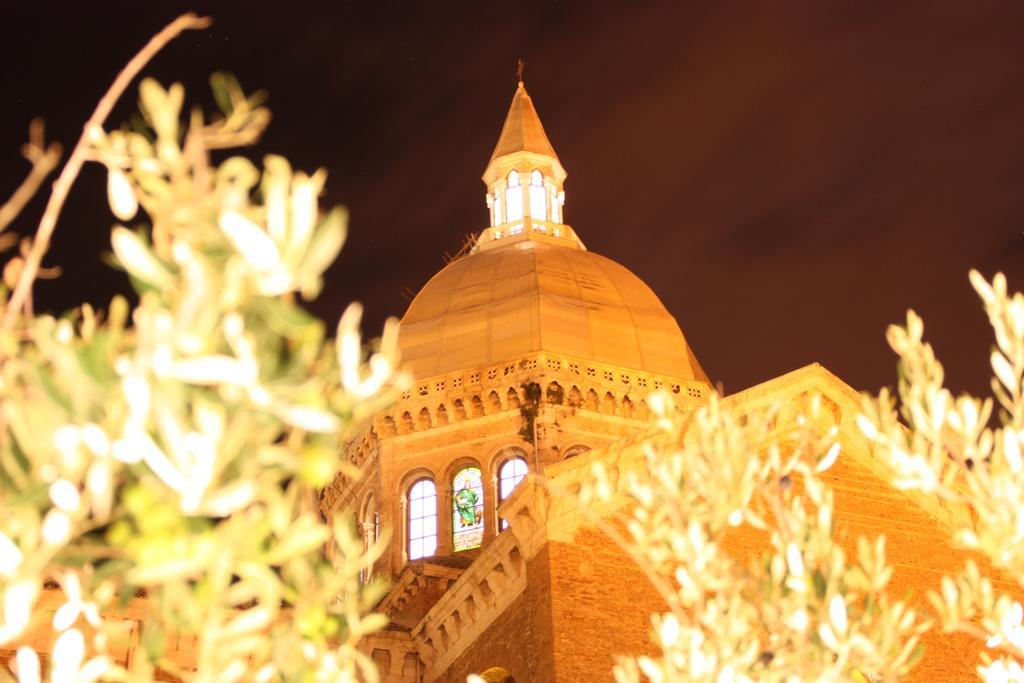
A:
(601, 606)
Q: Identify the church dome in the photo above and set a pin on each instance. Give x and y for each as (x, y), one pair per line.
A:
(530, 296)
(530, 286)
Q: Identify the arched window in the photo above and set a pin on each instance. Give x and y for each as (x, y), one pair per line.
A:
(510, 474)
(538, 197)
(627, 407)
(422, 519)
(513, 398)
(555, 393)
(495, 401)
(467, 509)
(497, 209)
(477, 406)
(642, 411)
(514, 197)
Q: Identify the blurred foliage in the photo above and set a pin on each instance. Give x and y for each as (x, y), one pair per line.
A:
(947, 446)
(164, 459)
(806, 611)
(802, 610)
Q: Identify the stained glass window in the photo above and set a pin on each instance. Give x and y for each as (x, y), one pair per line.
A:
(467, 509)
(509, 476)
(422, 519)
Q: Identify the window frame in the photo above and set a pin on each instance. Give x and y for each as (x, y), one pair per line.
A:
(428, 514)
(501, 479)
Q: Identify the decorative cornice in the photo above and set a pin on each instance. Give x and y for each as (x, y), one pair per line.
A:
(455, 397)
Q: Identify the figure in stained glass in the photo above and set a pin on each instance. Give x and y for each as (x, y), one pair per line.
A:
(467, 509)
(465, 503)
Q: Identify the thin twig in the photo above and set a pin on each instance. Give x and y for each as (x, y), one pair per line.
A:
(44, 160)
(78, 155)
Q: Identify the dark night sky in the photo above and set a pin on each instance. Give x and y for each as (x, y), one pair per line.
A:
(788, 177)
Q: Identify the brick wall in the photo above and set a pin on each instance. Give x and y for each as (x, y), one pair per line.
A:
(601, 606)
(918, 547)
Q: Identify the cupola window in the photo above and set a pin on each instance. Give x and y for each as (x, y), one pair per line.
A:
(467, 509)
(514, 197)
(538, 196)
(422, 519)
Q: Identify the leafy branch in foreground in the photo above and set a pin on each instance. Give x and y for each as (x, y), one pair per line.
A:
(948, 448)
(802, 610)
(169, 455)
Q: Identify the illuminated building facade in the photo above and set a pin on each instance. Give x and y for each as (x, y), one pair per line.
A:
(532, 355)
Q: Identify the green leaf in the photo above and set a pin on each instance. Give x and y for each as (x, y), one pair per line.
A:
(238, 172)
(137, 258)
(324, 247)
(152, 98)
(224, 84)
(820, 584)
(283, 318)
(153, 639)
(373, 622)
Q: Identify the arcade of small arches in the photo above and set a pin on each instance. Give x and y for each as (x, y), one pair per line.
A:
(481, 405)
(572, 372)
(516, 196)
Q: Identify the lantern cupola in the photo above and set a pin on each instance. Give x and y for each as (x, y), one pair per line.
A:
(525, 179)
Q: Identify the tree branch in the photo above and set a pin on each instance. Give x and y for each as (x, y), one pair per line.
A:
(78, 156)
(44, 159)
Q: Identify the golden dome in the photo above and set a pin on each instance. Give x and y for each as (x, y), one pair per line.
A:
(530, 286)
(525, 296)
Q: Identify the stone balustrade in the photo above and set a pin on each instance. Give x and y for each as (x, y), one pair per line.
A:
(471, 604)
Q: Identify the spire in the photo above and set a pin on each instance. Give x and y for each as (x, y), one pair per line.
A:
(522, 132)
(524, 181)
